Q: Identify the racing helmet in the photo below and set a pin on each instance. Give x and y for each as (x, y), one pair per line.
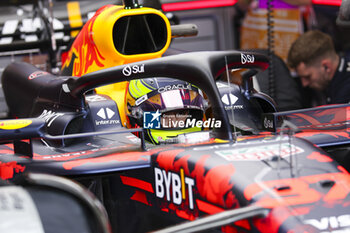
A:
(164, 107)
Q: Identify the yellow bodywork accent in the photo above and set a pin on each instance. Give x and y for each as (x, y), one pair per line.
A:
(168, 134)
(103, 38)
(183, 187)
(74, 16)
(14, 124)
(102, 35)
(217, 140)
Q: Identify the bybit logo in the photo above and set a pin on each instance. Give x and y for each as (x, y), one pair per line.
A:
(174, 187)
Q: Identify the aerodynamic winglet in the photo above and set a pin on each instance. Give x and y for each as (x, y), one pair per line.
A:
(18, 129)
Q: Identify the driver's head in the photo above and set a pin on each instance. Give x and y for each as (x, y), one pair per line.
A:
(163, 106)
(314, 59)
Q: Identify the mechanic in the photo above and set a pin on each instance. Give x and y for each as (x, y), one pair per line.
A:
(288, 26)
(288, 23)
(164, 107)
(319, 67)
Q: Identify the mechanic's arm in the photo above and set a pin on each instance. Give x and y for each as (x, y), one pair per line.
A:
(298, 2)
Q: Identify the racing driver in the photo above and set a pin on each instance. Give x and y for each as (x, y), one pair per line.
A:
(164, 107)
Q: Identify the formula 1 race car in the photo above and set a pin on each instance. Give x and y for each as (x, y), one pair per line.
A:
(241, 167)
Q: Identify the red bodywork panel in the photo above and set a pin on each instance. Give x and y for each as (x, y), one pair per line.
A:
(194, 5)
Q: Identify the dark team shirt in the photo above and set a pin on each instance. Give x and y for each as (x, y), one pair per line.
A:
(339, 88)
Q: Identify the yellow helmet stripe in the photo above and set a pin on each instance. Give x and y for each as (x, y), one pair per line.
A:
(142, 88)
(132, 90)
(147, 85)
(167, 134)
(137, 88)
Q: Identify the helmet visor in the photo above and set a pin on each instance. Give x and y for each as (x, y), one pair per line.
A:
(173, 100)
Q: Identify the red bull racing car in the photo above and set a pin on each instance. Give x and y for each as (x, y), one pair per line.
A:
(227, 162)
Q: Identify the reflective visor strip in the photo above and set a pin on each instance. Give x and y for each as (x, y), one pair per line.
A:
(18, 212)
(200, 92)
(172, 99)
(145, 97)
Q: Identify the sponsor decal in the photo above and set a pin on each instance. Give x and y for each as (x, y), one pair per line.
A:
(141, 100)
(14, 124)
(176, 188)
(95, 98)
(233, 107)
(135, 69)
(106, 114)
(339, 224)
(259, 152)
(325, 125)
(268, 123)
(37, 74)
(174, 87)
(245, 58)
(301, 191)
(151, 120)
(76, 154)
(229, 100)
(50, 116)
